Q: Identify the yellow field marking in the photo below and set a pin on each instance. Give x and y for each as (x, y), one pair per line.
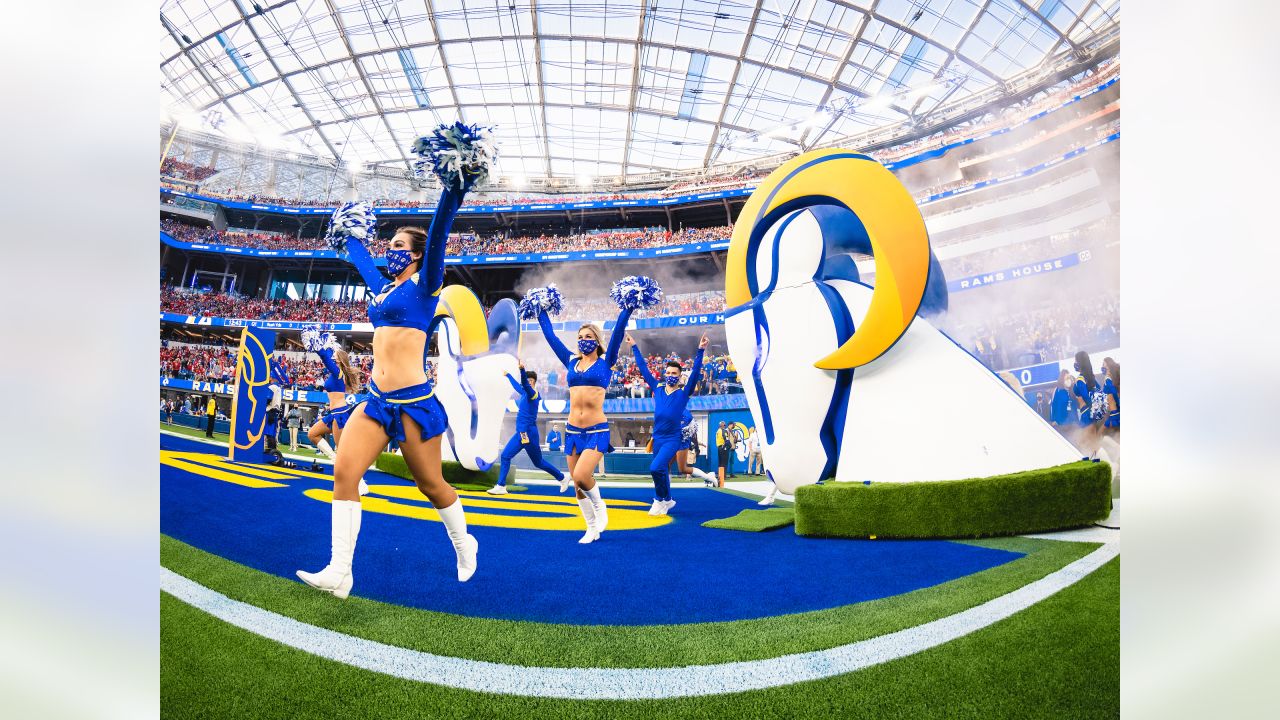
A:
(382, 498)
(619, 518)
(221, 470)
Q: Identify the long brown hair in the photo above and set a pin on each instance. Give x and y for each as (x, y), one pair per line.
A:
(350, 375)
(1113, 371)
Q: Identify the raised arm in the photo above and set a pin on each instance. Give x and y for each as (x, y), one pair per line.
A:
(644, 368)
(549, 333)
(694, 373)
(514, 384)
(529, 392)
(431, 275)
(358, 255)
(326, 357)
(615, 339)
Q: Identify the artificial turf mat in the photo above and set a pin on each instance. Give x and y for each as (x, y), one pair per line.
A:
(755, 520)
(532, 643)
(1057, 659)
(1054, 498)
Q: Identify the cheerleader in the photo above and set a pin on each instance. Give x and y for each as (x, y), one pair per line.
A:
(1085, 390)
(688, 442)
(526, 437)
(341, 383)
(589, 372)
(402, 405)
(669, 403)
(1111, 387)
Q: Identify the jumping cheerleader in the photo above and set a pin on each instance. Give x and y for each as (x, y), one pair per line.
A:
(587, 429)
(403, 405)
(526, 437)
(341, 382)
(669, 403)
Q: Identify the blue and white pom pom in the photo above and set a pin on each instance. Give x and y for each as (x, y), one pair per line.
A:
(537, 300)
(311, 338)
(460, 155)
(636, 292)
(352, 220)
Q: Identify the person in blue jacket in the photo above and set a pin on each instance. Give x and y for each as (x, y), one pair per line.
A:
(1060, 406)
(669, 402)
(526, 437)
(554, 438)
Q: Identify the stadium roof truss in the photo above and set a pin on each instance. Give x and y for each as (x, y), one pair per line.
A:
(607, 88)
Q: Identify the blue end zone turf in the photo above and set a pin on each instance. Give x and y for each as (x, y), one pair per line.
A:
(679, 572)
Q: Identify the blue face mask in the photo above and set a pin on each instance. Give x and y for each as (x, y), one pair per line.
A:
(587, 346)
(398, 260)
(672, 380)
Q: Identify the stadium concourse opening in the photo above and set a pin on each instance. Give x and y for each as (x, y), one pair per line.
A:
(625, 255)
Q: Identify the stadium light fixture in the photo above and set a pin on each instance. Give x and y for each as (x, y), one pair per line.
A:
(584, 180)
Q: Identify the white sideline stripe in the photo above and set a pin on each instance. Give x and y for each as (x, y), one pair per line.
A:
(623, 683)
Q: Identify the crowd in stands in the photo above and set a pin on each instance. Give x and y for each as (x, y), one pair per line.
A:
(217, 363)
(173, 167)
(1032, 336)
(719, 376)
(261, 240)
(601, 307)
(464, 244)
(230, 305)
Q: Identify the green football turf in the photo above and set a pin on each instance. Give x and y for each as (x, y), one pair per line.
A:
(531, 643)
(1057, 659)
(755, 520)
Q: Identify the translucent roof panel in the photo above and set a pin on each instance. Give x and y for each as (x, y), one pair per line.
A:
(602, 88)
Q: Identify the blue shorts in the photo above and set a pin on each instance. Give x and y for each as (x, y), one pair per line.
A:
(577, 439)
(417, 401)
(336, 418)
(1113, 420)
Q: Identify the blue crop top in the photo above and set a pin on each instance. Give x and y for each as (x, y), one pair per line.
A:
(598, 373)
(333, 382)
(411, 304)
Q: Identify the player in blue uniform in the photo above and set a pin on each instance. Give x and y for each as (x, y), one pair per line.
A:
(587, 429)
(669, 403)
(403, 404)
(526, 437)
(341, 384)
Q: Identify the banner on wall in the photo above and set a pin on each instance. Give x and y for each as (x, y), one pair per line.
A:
(1020, 272)
(252, 395)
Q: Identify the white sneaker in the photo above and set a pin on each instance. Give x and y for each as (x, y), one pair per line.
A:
(497, 490)
(467, 557)
(364, 487)
(565, 482)
(768, 499)
(667, 505)
(657, 507)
